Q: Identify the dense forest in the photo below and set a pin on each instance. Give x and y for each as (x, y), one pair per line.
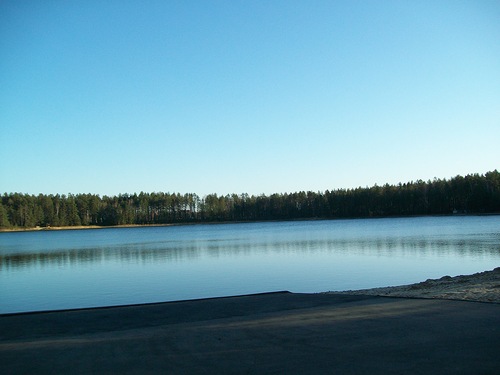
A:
(470, 194)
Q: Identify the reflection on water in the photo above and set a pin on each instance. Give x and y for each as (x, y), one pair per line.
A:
(71, 269)
(178, 252)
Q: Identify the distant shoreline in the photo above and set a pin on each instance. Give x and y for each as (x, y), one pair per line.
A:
(88, 227)
(82, 227)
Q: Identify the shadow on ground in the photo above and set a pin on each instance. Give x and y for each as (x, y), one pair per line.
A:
(258, 334)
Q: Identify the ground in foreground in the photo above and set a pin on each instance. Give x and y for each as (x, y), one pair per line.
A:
(259, 334)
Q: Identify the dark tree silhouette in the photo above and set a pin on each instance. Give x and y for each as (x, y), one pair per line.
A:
(474, 194)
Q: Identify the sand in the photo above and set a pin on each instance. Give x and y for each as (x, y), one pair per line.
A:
(480, 287)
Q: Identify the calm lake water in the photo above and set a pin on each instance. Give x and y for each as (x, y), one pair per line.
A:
(84, 268)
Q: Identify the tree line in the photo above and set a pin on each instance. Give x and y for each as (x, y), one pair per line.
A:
(473, 194)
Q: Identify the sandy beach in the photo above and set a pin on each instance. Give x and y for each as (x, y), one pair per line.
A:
(479, 287)
(354, 332)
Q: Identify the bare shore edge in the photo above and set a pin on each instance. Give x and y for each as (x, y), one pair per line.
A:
(81, 227)
(478, 287)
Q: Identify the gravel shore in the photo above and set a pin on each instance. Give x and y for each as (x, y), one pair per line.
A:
(479, 287)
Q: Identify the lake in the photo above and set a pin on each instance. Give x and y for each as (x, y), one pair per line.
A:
(50, 270)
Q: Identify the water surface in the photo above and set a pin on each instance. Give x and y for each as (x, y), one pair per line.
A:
(48, 270)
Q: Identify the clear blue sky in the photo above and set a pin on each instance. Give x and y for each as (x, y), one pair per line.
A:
(110, 97)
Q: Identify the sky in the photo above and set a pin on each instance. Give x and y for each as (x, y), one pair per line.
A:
(257, 97)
